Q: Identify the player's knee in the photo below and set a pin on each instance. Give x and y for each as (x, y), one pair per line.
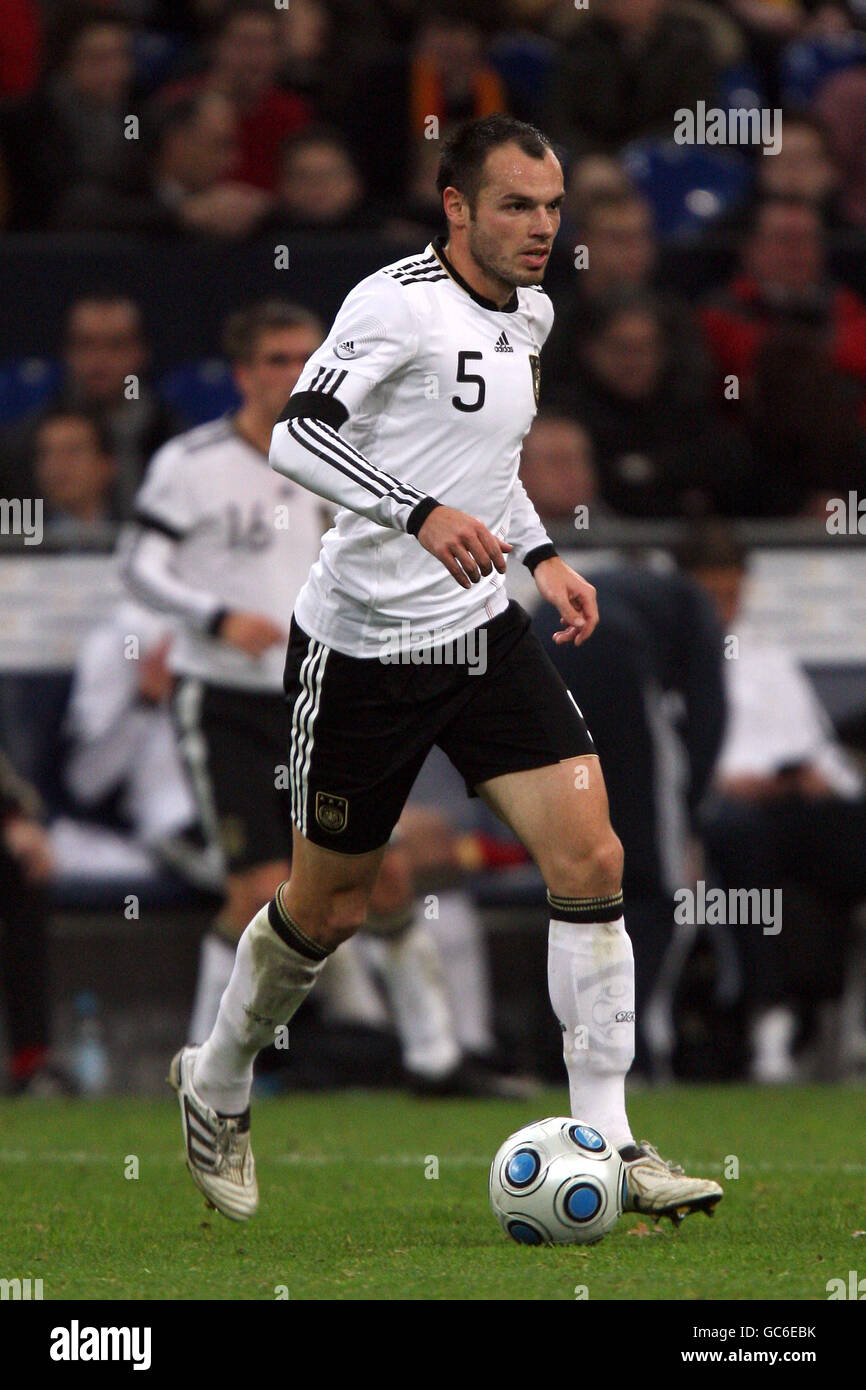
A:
(593, 869)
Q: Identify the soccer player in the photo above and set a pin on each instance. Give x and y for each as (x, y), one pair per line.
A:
(222, 543)
(411, 416)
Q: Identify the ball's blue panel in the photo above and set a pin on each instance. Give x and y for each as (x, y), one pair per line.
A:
(624, 1189)
(523, 1234)
(582, 1202)
(587, 1138)
(522, 1168)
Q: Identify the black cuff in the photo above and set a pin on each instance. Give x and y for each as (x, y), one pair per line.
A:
(419, 515)
(213, 626)
(541, 552)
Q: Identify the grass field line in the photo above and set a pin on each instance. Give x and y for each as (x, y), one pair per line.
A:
(83, 1157)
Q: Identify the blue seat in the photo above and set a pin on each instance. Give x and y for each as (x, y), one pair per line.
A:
(524, 62)
(200, 391)
(740, 88)
(687, 186)
(25, 385)
(806, 64)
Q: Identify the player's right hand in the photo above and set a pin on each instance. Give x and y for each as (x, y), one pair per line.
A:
(252, 633)
(463, 545)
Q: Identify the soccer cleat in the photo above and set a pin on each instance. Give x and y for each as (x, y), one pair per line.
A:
(218, 1152)
(658, 1188)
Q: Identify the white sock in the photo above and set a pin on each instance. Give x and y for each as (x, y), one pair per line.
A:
(215, 962)
(412, 970)
(590, 972)
(457, 933)
(268, 984)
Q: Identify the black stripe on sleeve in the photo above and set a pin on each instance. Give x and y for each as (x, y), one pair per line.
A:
(363, 472)
(401, 492)
(318, 405)
(156, 523)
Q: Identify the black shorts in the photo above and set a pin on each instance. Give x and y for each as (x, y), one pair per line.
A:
(362, 728)
(233, 746)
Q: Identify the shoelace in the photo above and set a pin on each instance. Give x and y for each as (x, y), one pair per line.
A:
(650, 1149)
(226, 1135)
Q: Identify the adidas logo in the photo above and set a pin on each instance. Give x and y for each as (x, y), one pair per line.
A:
(502, 344)
(345, 349)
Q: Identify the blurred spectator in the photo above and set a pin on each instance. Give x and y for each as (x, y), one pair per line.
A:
(841, 105)
(783, 284)
(800, 417)
(244, 61)
(105, 360)
(73, 473)
(789, 808)
(618, 249)
(804, 170)
(587, 179)
(624, 69)
(131, 806)
(320, 41)
(191, 147)
(444, 76)
(319, 186)
(20, 48)
(656, 452)
(557, 468)
(68, 137)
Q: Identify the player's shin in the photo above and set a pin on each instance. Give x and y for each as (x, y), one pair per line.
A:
(270, 980)
(591, 982)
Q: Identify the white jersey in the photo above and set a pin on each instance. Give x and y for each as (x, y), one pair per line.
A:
(422, 390)
(217, 530)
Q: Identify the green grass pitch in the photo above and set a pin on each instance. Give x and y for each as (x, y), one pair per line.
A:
(348, 1213)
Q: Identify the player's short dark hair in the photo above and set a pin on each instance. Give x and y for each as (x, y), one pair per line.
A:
(92, 418)
(245, 327)
(711, 544)
(465, 150)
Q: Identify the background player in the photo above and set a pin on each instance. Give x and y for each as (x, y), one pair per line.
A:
(411, 416)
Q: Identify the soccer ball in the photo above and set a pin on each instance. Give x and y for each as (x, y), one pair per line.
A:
(557, 1182)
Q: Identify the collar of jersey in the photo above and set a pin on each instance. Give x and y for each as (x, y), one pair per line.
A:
(438, 244)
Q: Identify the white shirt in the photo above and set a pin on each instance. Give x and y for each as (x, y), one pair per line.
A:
(218, 529)
(440, 387)
(775, 719)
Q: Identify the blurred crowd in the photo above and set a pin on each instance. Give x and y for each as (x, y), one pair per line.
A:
(230, 121)
(225, 123)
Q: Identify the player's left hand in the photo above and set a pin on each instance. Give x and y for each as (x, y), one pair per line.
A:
(572, 597)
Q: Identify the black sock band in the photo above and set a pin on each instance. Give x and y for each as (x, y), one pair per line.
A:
(606, 909)
(290, 933)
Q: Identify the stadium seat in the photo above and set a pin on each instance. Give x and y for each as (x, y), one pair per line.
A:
(25, 386)
(805, 65)
(524, 62)
(740, 88)
(200, 391)
(687, 186)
